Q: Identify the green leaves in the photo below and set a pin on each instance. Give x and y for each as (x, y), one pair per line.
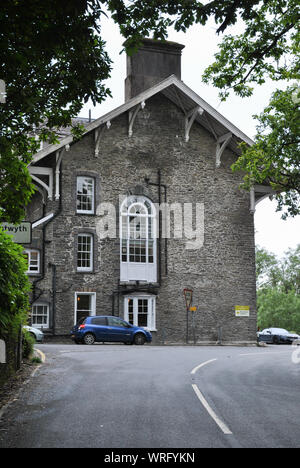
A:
(14, 284)
(278, 309)
(275, 156)
(52, 60)
(278, 295)
(266, 49)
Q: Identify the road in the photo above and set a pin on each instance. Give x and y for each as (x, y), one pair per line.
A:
(117, 396)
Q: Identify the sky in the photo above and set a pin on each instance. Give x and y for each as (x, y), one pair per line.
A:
(201, 43)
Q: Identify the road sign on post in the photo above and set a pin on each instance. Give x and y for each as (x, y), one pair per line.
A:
(188, 295)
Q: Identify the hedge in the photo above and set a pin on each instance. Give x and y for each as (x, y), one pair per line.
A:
(14, 299)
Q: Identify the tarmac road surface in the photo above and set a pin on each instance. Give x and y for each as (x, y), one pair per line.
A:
(117, 396)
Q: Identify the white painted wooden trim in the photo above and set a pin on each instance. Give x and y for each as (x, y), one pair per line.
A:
(222, 142)
(189, 120)
(42, 220)
(142, 97)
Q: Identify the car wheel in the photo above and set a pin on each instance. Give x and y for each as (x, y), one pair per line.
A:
(89, 339)
(139, 339)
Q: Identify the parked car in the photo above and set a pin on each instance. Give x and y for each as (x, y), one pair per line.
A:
(102, 328)
(35, 332)
(277, 336)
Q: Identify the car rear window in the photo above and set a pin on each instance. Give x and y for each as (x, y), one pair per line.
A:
(99, 321)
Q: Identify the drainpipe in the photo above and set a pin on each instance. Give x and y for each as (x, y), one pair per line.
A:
(160, 185)
(53, 266)
(56, 214)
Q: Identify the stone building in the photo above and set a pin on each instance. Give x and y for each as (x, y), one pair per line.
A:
(144, 207)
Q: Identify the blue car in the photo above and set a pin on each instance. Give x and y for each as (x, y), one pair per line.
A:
(102, 328)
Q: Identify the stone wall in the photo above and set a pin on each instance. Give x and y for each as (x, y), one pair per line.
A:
(221, 272)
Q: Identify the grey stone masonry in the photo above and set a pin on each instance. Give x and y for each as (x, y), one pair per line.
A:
(221, 272)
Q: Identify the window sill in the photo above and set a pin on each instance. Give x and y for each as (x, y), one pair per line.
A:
(85, 271)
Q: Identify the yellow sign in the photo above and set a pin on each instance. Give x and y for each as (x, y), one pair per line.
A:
(193, 309)
(242, 311)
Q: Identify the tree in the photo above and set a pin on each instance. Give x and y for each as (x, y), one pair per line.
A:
(52, 60)
(275, 156)
(278, 309)
(14, 301)
(266, 268)
(268, 48)
(278, 293)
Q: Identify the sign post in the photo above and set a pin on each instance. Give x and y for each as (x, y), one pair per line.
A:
(188, 295)
(193, 310)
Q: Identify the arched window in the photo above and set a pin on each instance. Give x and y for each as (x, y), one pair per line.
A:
(138, 239)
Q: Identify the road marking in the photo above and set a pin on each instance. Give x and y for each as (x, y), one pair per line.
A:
(208, 408)
(211, 412)
(201, 365)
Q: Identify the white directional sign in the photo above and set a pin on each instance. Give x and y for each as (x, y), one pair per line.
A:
(21, 233)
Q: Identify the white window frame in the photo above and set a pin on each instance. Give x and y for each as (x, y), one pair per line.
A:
(29, 253)
(151, 316)
(91, 252)
(39, 325)
(92, 310)
(143, 270)
(92, 194)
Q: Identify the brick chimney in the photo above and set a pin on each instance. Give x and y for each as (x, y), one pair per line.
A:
(154, 61)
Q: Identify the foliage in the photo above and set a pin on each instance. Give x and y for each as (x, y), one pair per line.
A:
(52, 60)
(278, 294)
(268, 48)
(266, 268)
(275, 156)
(14, 286)
(140, 18)
(14, 301)
(28, 344)
(15, 182)
(278, 309)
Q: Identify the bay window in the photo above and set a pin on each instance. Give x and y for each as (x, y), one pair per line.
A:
(138, 239)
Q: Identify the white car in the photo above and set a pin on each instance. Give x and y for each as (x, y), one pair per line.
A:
(35, 332)
(277, 336)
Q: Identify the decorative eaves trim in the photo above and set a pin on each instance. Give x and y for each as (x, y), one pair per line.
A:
(142, 97)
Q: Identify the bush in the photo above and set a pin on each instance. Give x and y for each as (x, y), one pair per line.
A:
(14, 299)
(14, 284)
(28, 344)
(277, 308)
